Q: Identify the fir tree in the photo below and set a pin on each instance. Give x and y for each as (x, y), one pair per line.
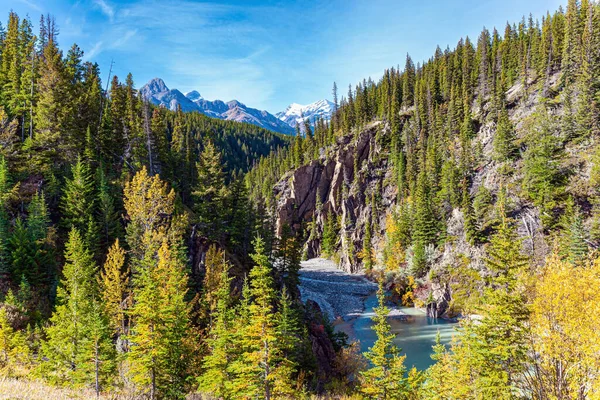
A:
(216, 378)
(209, 194)
(160, 337)
(78, 341)
(114, 286)
(385, 379)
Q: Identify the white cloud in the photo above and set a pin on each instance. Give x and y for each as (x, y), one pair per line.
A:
(123, 39)
(105, 8)
(32, 5)
(94, 51)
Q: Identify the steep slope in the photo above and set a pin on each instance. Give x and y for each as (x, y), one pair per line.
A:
(157, 92)
(295, 114)
(418, 184)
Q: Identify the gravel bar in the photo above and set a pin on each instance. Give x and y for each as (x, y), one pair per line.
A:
(338, 293)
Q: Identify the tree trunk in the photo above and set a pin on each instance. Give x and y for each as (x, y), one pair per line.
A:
(97, 364)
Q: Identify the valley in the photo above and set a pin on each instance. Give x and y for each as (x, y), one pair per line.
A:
(158, 245)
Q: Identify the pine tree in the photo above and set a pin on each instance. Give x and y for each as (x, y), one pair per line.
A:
(209, 193)
(114, 287)
(258, 371)
(78, 340)
(385, 379)
(216, 377)
(160, 338)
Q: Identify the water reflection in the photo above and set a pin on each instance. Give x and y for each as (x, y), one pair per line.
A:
(415, 334)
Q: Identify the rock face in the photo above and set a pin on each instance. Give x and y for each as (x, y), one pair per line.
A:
(322, 346)
(340, 182)
(314, 192)
(441, 295)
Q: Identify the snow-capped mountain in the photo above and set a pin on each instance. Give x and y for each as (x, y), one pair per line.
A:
(157, 92)
(294, 113)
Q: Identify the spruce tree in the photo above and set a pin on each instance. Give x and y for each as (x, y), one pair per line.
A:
(385, 378)
(286, 354)
(160, 337)
(259, 371)
(114, 287)
(78, 200)
(24, 252)
(504, 146)
(107, 216)
(470, 223)
(330, 235)
(78, 340)
(216, 378)
(209, 193)
(288, 254)
(49, 145)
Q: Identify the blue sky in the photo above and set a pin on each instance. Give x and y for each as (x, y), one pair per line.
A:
(267, 54)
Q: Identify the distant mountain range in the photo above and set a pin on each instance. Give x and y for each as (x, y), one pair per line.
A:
(295, 113)
(157, 92)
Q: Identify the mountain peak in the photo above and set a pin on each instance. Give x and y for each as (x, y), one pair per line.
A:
(157, 92)
(235, 103)
(194, 95)
(294, 113)
(156, 85)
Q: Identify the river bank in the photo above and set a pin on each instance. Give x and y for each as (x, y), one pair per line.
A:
(349, 300)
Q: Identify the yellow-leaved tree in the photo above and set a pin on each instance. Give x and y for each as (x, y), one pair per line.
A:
(114, 283)
(565, 335)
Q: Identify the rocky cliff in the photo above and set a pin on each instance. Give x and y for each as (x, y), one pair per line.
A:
(327, 187)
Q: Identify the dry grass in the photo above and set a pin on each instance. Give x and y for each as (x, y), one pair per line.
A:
(20, 389)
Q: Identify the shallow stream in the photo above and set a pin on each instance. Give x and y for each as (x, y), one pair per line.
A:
(415, 334)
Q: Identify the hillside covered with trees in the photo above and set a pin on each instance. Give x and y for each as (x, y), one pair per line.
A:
(146, 253)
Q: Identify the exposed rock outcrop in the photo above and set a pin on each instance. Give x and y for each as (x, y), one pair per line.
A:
(327, 187)
(339, 184)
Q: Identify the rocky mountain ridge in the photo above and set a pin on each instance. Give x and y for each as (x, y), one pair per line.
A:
(295, 114)
(157, 92)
